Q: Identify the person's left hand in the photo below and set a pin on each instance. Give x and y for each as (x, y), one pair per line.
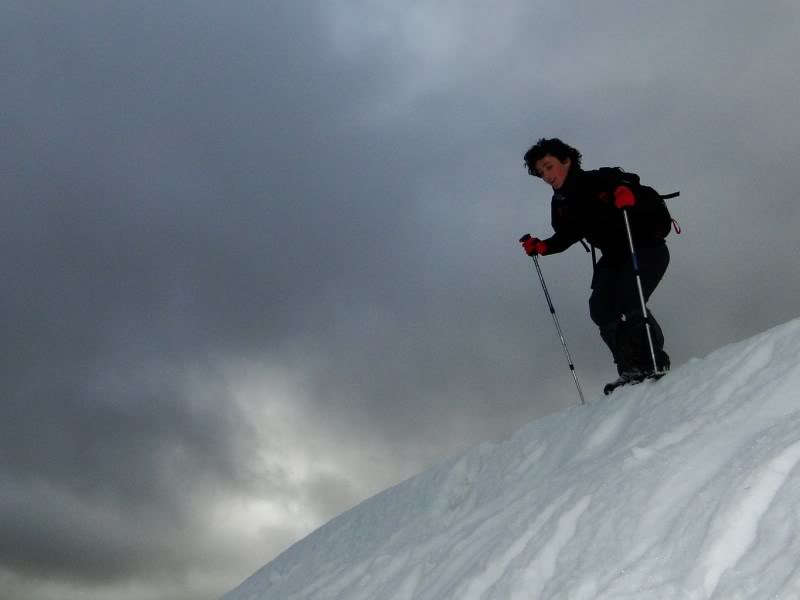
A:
(623, 197)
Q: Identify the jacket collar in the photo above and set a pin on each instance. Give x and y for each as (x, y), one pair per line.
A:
(571, 183)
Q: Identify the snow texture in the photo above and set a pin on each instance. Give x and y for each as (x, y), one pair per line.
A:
(685, 488)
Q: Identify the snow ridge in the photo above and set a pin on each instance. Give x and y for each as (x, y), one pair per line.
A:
(681, 488)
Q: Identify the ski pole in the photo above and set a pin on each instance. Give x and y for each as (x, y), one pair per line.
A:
(558, 327)
(641, 293)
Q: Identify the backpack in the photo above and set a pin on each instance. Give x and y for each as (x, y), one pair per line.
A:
(658, 218)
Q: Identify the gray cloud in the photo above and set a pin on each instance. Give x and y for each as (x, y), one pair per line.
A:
(260, 261)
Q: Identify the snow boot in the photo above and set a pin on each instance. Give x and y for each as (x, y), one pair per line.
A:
(630, 377)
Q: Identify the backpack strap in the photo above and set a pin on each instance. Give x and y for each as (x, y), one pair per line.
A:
(594, 255)
(675, 225)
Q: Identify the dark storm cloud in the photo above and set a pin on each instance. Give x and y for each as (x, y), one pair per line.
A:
(183, 185)
(154, 168)
(333, 193)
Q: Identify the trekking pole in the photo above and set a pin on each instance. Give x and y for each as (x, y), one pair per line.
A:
(558, 327)
(641, 293)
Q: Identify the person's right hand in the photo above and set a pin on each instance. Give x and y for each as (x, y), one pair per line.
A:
(533, 246)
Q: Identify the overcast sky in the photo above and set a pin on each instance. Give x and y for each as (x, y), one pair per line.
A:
(260, 261)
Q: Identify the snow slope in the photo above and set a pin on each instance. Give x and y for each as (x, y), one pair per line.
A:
(685, 488)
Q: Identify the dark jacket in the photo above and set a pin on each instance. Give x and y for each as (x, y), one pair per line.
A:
(584, 209)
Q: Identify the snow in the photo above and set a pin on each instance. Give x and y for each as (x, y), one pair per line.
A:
(684, 488)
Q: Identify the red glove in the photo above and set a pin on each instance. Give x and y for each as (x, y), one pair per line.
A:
(533, 246)
(623, 197)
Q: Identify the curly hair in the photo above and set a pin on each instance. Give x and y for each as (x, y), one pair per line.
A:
(554, 147)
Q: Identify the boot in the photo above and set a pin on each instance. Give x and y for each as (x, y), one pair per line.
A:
(634, 345)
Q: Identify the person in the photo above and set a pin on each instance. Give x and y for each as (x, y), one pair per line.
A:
(588, 205)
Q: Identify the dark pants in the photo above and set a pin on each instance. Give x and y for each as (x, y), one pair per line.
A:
(616, 309)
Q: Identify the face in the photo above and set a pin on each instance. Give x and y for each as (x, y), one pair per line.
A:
(552, 170)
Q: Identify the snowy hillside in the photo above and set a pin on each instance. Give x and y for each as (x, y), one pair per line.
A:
(685, 488)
